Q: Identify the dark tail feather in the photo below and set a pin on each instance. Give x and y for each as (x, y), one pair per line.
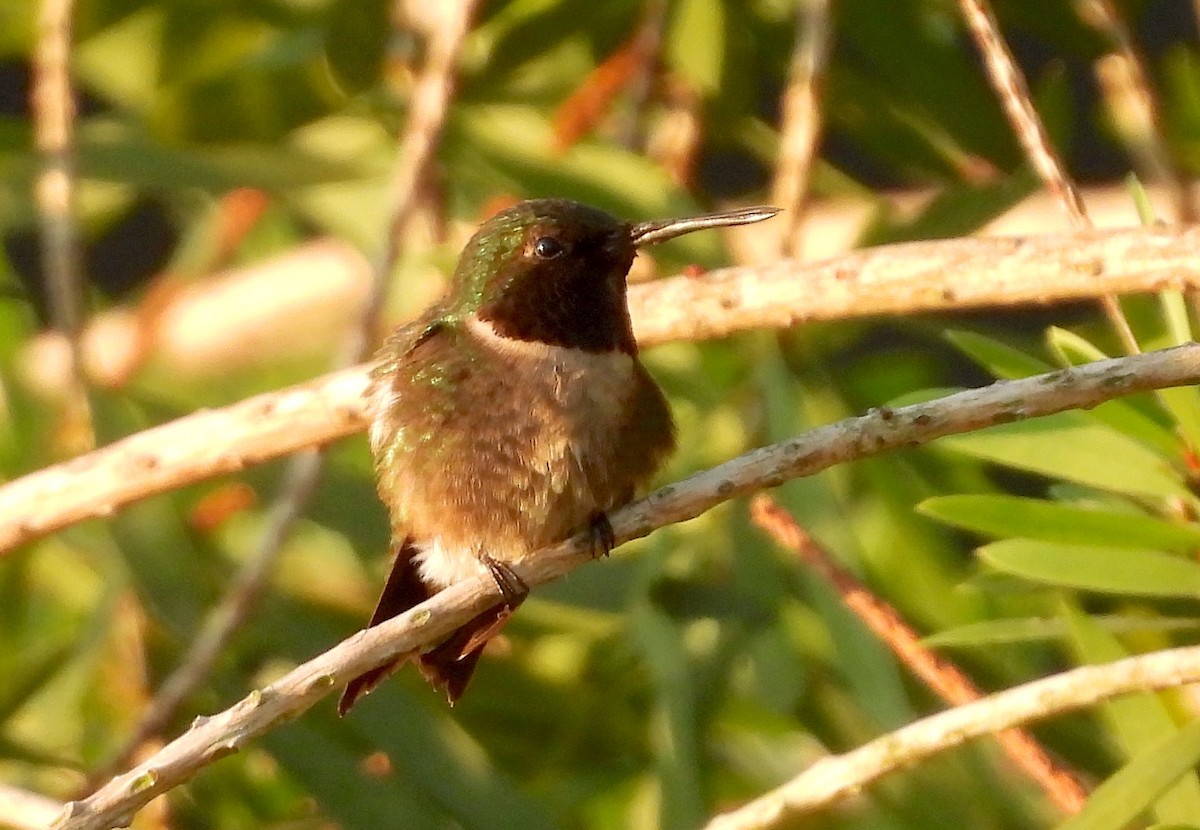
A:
(402, 591)
(449, 666)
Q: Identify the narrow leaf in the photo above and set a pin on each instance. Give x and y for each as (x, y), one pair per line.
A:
(1000, 359)
(1074, 447)
(1139, 721)
(1128, 793)
(1089, 568)
(1008, 516)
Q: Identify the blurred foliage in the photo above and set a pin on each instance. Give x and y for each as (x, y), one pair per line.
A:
(701, 666)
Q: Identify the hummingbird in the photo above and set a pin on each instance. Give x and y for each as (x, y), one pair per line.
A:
(514, 413)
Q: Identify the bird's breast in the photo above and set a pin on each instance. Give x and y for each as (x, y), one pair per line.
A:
(488, 443)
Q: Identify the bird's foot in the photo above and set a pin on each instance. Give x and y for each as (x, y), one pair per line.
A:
(512, 588)
(601, 535)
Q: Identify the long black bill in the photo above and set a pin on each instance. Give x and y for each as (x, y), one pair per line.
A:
(660, 230)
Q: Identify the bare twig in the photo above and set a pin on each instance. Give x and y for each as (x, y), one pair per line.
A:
(54, 115)
(641, 86)
(894, 279)
(800, 133)
(200, 445)
(833, 778)
(1133, 106)
(429, 108)
(23, 810)
(1009, 83)
(430, 104)
(1060, 784)
(53, 106)
(876, 432)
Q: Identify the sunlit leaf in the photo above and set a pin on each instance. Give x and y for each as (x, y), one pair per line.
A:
(1074, 447)
(1139, 721)
(1039, 629)
(1093, 568)
(696, 42)
(1002, 515)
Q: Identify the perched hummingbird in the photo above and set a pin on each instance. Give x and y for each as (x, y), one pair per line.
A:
(514, 413)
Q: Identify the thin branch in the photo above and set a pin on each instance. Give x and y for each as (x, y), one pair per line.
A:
(446, 30)
(53, 106)
(836, 777)
(1133, 106)
(23, 810)
(415, 155)
(1059, 784)
(913, 277)
(876, 432)
(204, 444)
(1009, 83)
(800, 133)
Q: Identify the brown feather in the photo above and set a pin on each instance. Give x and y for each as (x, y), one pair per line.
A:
(402, 591)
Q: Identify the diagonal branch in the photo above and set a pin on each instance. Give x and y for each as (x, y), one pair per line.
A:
(948, 275)
(1009, 82)
(800, 130)
(23, 810)
(838, 776)
(876, 432)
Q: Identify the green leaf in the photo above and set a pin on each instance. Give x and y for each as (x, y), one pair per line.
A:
(1175, 312)
(958, 210)
(328, 763)
(1004, 516)
(440, 763)
(1183, 402)
(1124, 414)
(1141, 200)
(1093, 568)
(1041, 629)
(1074, 447)
(1071, 348)
(32, 671)
(1128, 793)
(696, 43)
(1139, 720)
(1000, 359)
(356, 41)
(118, 153)
(678, 747)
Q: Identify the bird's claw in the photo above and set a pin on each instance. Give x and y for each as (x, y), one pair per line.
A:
(600, 532)
(512, 588)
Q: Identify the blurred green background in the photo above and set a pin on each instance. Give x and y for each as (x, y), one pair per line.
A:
(699, 667)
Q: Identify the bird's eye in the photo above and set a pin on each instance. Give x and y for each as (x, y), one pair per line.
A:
(548, 248)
